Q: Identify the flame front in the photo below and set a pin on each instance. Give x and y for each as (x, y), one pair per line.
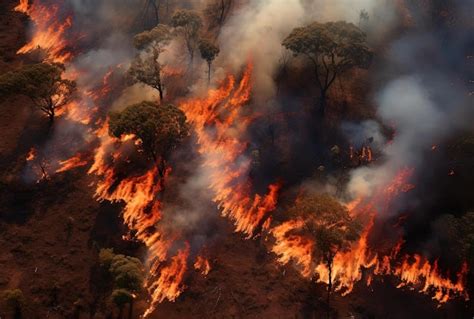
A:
(349, 266)
(48, 32)
(220, 123)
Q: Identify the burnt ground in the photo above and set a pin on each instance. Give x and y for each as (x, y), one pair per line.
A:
(55, 264)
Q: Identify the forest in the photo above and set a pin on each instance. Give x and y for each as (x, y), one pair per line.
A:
(236, 159)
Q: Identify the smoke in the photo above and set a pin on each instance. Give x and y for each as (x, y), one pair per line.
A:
(425, 101)
(256, 30)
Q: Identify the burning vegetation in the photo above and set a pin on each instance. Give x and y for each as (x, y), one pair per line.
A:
(317, 141)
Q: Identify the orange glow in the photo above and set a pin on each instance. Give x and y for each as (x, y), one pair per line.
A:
(73, 162)
(48, 32)
(31, 154)
(169, 284)
(202, 265)
(142, 214)
(349, 266)
(219, 122)
(22, 6)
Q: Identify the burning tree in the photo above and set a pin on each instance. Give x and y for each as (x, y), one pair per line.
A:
(160, 128)
(188, 23)
(329, 224)
(209, 52)
(145, 68)
(43, 84)
(333, 48)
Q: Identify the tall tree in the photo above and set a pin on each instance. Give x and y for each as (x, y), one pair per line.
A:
(188, 23)
(161, 128)
(42, 83)
(146, 68)
(209, 52)
(330, 226)
(333, 48)
(217, 11)
(120, 298)
(128, 275)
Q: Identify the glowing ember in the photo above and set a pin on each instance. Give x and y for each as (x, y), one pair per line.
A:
(31, 155)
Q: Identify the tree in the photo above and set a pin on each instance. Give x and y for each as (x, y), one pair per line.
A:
(363, 18)
(15, 301)
(329, 224)
(209, 52)
(42, 83)
(145, 68)
(217, 12)
(160, 128)
(188, 23)
(121, 297)
(333, 48)
(128, 276)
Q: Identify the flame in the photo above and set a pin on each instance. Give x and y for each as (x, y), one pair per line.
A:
(169, 284)
(22, 7)
(202, 265)
(48, 33)
(31, 154)
(73, 162)
(349, 266)
(219, 122)
(142, 214)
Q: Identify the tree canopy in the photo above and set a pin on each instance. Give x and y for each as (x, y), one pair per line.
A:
(161, 128)
(188, 23)
(128, 276)
(42, 83)
(209, 52)
(145, 68)
(333, 48)
(155, 37)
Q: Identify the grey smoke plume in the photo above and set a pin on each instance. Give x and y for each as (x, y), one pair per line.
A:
(426, 101)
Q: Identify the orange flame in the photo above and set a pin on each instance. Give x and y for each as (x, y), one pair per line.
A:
(48, 33)
(348, 266)
(73, 162)
(31, 154)
(202, 265)
(169, 284)
(22, 7)
(219, 122)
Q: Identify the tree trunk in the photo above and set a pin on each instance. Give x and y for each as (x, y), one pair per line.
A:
(208, 73)
(17, 313)
(120, 314)
(130, 310)
(322, 103)
(160, 90)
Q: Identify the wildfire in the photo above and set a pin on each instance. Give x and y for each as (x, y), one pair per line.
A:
(142, 214)
(350, 266)
(220, 122)
(48, 32)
